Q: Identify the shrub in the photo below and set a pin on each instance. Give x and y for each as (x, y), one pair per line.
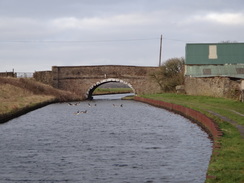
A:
(170, 74)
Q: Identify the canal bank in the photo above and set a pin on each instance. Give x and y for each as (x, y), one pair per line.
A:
(206, 123)
(21, 111)
(226, 164)
(19, 96)
(202, 120)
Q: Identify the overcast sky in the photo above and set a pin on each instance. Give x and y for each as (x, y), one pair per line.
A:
(38, 34)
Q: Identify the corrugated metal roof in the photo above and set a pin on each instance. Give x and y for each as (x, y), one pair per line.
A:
(226, 53)
(235, 71)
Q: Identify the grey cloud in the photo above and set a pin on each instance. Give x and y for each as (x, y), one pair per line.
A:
(94, 21)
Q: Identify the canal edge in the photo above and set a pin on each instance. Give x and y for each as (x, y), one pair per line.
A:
(4, 118)
(206, 123)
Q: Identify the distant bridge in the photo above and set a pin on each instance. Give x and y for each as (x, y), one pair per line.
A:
(83, 80)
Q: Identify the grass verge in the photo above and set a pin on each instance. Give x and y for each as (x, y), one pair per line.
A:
(18, 96)
(226, 164)
(104, 91)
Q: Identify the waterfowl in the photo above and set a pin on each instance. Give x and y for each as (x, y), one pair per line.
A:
(77, 113)
(83, 111)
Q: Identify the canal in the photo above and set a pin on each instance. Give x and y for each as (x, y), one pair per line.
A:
(106, 140)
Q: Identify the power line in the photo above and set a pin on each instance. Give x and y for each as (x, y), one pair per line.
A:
(89, 41)
(77, 41)
(178, 40)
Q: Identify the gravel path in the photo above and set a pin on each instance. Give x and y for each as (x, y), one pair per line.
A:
(238, 126)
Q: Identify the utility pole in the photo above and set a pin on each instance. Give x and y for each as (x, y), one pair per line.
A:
(160, 51)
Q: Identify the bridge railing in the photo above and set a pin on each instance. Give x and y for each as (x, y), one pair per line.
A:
(24, 74)
(17, 74)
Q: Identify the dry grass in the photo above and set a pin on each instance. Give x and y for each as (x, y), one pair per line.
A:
(13, 98)
(37, 88)
(16, 94)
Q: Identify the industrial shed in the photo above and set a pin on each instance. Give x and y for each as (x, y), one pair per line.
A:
(215, 69)
(215, 59)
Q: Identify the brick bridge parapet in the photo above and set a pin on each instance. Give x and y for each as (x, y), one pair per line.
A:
(83, 80)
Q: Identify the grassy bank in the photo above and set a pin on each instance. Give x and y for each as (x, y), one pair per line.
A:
(103, 91)
(21, 95)
(226, 165)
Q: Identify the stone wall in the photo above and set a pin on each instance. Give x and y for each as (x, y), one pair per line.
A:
(214, 86)
(103, 71)
(83, 79)
(45, 77)
(8, 74)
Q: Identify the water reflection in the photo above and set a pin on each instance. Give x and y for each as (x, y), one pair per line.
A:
(111, 97)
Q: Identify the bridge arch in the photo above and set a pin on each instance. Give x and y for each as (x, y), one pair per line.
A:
(79, 79)
(97, 84)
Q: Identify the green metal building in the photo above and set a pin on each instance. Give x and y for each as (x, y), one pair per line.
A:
(215, 59)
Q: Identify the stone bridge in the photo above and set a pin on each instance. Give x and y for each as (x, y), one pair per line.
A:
(83, 80)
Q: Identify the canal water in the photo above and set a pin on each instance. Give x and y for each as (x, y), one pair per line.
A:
(107, 141)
